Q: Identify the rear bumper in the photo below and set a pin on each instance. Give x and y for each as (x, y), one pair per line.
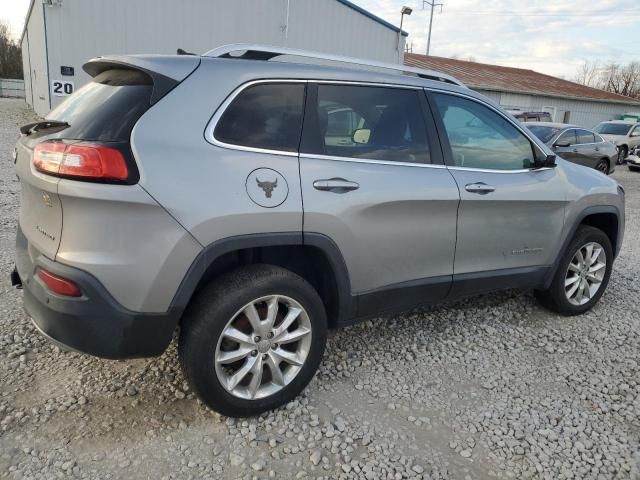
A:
(93, 323)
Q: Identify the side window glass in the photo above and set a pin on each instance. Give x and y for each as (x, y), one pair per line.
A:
(265, 116)
(568, 138)
(374, 123)
(585, 136)
(481, 138)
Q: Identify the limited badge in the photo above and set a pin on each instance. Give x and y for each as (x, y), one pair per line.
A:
(267, 188)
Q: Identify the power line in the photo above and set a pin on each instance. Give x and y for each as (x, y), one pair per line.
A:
(619, 13)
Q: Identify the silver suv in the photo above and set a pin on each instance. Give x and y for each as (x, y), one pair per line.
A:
(256, 203)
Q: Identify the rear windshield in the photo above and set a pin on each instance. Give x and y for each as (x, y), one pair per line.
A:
(544, 133)
(613, 128)
(107, 108)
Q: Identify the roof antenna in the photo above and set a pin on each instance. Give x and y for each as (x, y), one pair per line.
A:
(184, 52)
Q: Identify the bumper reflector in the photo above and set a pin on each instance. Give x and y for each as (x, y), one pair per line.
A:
(59, 285)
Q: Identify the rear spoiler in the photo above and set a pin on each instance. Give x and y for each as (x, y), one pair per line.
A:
(166, 71)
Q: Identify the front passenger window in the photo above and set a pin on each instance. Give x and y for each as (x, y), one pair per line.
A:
(481, 138)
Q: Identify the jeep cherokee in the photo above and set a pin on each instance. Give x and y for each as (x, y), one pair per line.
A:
(256, 203)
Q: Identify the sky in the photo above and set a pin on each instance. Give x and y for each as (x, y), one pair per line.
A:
(550, 36)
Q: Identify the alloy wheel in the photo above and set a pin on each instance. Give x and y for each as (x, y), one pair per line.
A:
(602, 167)
(585, 273)
(622, 154)
(263, 347)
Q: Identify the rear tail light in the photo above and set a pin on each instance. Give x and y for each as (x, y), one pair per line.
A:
(80, 161)
(59, 285)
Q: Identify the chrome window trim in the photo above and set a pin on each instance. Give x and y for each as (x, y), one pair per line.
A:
(314, 156)
(209, 133)
(491, 170)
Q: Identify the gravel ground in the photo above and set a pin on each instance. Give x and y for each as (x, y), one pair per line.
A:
(493, 387)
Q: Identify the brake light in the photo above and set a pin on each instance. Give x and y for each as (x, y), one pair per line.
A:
(59, 285)
(81, 161)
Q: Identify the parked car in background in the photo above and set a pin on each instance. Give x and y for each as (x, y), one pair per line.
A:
(578, 145)
(623, 134)
(633, 160)
(531, 116)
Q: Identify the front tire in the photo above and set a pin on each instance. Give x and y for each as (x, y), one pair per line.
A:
(582, 275)
(623, 152)
(252, 340)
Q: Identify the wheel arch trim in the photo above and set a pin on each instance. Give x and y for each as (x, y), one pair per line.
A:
(587, 212)
(215, 250)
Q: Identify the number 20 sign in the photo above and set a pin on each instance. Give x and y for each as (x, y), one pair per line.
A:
(61, 88)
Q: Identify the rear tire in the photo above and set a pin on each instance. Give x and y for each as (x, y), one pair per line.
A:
(564, 295)
(240, 378)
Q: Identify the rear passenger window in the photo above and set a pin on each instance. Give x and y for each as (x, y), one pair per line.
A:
(375, 123)
(267, 116)
(567, 138)
(481, 138)
(585, 136)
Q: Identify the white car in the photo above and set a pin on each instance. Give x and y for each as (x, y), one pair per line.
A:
(633, 160)
(623, 134)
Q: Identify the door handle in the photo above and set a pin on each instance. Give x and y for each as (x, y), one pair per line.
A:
(479, 188)
(575, 150)
(597, 149)
(335, 185)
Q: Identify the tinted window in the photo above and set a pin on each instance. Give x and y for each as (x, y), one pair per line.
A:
(481, 138)
(544, 133)
(368, 122)
(265, 116)
(585, 136)
(106, 108)
(567, 138)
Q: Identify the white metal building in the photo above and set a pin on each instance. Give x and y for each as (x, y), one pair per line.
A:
(61, 35)
(526, 90)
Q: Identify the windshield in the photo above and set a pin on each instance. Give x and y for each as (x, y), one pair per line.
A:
(544, 133)
(613, 128)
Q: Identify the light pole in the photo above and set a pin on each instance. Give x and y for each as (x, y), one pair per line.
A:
(404, 11)
(433, 4)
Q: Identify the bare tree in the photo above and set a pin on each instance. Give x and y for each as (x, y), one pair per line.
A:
(10, 55)
(612, 77)
(588, 73)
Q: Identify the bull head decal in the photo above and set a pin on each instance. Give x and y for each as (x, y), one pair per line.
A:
(267, 187)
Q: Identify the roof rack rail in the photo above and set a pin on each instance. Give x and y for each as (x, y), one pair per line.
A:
(267, 52)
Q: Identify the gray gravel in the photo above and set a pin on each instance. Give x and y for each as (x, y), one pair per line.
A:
(493, 387)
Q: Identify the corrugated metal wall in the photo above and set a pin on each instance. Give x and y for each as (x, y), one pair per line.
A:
(37, 77)
(578, 112)
(26, 68)
(82, 29)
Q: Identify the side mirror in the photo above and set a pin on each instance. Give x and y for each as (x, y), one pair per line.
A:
(361, 136)
(550, 161)
(562, 144)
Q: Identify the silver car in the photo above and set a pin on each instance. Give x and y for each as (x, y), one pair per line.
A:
(254, 204)
(625, 135)
(578, 145)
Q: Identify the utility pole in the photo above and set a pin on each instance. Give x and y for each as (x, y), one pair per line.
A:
(433, 5)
